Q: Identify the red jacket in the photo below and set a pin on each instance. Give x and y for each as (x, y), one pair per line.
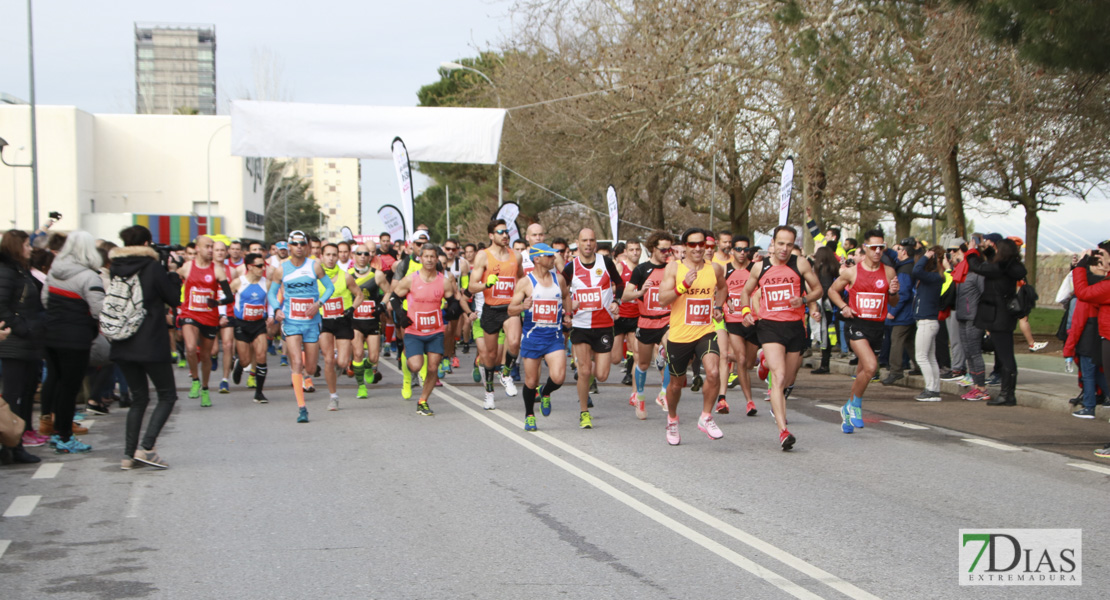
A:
(1080, 315)
(1097, 295)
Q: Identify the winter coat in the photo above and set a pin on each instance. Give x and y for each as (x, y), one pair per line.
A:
(926, 301)
(73, 296)
(1083, 331)
(903, 311)
(151, 343)
(21, 310)
(1000, 287)
(968, 295)
(1095, 294)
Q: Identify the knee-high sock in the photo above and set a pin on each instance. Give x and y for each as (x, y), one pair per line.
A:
(490, 372)
(550, 387)
(360, 370)
(641, 379)
(260, 378)
(529, 401)
(666, 377)
(510, 360)
(298, 388)
(404, 365)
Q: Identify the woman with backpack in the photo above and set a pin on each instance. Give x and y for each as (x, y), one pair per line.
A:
(141, 340)
(1001, 267)
(928, 273)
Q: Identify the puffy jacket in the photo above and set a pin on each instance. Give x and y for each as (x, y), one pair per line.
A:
(999, 288)
(20, 310)
(1083, 330)
(73, 296)
(151, 343)
(926, 301)
(1095, 294)
(968, 295)
(903, 311)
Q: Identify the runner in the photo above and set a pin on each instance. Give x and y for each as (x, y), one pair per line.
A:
(282, 253)
(199, 316)
(345, 261)
(624, 329)
(743, 343)
(252, 315)
(367, 342)
(543, 301)
(782, 307)
(336, 330)
(495, 273)
(594, 284)
(872, 288)
(408, 264)
(693, 289)
(643, 288)
(221, 255)
(299, 314)
(425, 290)
(459, 268)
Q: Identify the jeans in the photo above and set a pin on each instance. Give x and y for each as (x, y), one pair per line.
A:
(925, 347)
(161, 375)
(1092, 377)
(21, 379)
(971, 338)
(65, 383)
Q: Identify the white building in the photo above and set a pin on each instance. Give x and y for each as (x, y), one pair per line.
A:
(334, 183)
(105, 172)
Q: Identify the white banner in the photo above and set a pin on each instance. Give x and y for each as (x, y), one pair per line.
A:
(786, 185)
(394, 222)
(611, 195)
(509, 211)
(434, 134)
(346, 234)
(404, 178)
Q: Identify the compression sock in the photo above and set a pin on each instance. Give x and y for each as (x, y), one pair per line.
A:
(529, 401)
(641, 379)
(298, 388)
(360, 370)
(666, 377)
(259, 377)
(490, 372)
(550, 387)
(510, 360)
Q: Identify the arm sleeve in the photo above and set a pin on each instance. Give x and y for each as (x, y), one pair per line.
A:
(568, 271)
(272, 295)
(615, 277)
(329, 288)
(229, 297)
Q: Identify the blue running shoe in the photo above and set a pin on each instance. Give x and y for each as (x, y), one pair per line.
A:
(545, 405)
(284, 360)
(856, 413)
(441, 371)
(302, 417)
(846, 420)
(73, 446)
(224, 387)
(530, 423)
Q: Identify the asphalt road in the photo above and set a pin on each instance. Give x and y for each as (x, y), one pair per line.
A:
(374, 501)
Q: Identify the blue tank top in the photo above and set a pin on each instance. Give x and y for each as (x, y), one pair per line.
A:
(300, 291)
(546, 315)
(250, 302)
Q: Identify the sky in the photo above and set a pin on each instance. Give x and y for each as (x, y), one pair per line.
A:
(351, 52)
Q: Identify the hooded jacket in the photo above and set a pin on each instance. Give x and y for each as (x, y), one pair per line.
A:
(1095, 294)
(968, 295)
(21, 311)
(73, 296)
(903, 311)
(1000, 286)
(926, 301)
(151, 343)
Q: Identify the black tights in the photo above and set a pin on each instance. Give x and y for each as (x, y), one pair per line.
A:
(161, 375)
(21, 379)
(65, 371)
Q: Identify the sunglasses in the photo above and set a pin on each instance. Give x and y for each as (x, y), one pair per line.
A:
(298, 243)
(665, 250)
(875, 246)
(501, 231)
(363, 253)
(696, 244)
(449, 249)
(261, 266)
(741, 249)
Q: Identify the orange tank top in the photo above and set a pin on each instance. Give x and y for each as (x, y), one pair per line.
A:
(501, 293)
(692, 312)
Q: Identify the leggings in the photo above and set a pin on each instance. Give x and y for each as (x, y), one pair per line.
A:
(1004, 361)
(21, 379)
(972, 339)
(161, 375)
(64, 384)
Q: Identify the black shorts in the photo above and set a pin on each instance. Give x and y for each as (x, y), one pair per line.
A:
(248, 331)
(494, 317)
(367, 326)
(600, 339)
(340, 327)
(745, 331)
(625, 325)
(861, 329)
(206, 331)
(651, 336)
(230, 322)
(679, 354)
(791, 334)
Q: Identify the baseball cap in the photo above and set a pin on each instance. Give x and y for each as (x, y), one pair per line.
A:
(420, 234)
(297, 233)
(956, 243)
(540, 249)
(1017, 240)
(281, 246)
(993, 237)
(910, 241)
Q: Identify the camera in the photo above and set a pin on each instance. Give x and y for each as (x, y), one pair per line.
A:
(164, 254)
(55, 215)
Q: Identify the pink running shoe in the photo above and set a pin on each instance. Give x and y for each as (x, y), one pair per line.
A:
(672, 433)
(975, 395)
(751, 409)
(632, 398)
(763, 370)
(661, 400)
(637, 400)
(709, 427)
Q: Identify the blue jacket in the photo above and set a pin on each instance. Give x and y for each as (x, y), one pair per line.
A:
(903, 312)
(926, 302)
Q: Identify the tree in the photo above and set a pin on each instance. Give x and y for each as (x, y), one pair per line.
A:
(1058, 34)
(289, 203)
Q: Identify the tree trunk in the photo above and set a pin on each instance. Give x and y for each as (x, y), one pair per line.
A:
(953, 193)
(902, 224)
(813, 193)
(1032, 226)
(738, 210)
(656, 216)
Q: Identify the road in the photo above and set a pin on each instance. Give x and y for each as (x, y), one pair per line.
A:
(374, 501)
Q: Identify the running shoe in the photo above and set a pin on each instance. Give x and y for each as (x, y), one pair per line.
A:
(302, 416)
(593, 386)
(856, 415)
(477, 374)
(510, 387)
(441, 370)
(709, 427)
(589, 402)
(129, 464)
(490, 404)
(31, 439)
(927, 396)
(54, 440)
(1103, 452)
(333, 404)
(1084, 413)
(545, 405)
(194, 390)
(965, 381)
(733, 380)
(215, 363)
(673, 438)
(224, 387)
(260, 398)
(954, 375)
(585, 421)
(661, 399)
(447, 366)
(424, 410)
(1038, 346)
(350, 371)
(641, 409)
(251, 381)
(285, 360)
(530, 423)
(627, 379)
(205, 401)
(751, 409)
(786, 391)
(406, 385)
(455, 360)
(974, 395)
(361, 393)
(696, 385)
(763, 369)
(846, 419)
(308, 386)
(150, 457)
(182, 363)
(786, 440)
(73, 446)
(722, 406)
(236, 371)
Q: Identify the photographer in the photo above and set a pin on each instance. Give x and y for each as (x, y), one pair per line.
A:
(146, 354)
(1000, 265)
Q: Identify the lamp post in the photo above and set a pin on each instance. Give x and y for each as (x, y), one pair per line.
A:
(208, 166)
(452, 66)
(15, 203)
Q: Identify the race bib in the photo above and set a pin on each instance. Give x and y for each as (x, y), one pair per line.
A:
(869, 306)
(651, 299)
(333, 308)
(198, 299)
(504, 288)
(545, 312)
(428, 322)
(365, 311)
(254, 312)
(777, 296)
(699, 311)
(299, 308)
(589, 298)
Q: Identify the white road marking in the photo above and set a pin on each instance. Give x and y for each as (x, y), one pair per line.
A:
(827, 406)
(138, 490)
(22, 506)
(991, 444)
(1095, 468)
(736, 533)
(4, 547)
(88, 424)
(904, 424)
(48, 471)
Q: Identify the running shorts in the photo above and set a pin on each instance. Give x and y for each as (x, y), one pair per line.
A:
(599, 339)
(539, 346)
(415, 345)
(651, 336)
(340, 327)
(790, 334)
(248, 331)
(625, 325)
(206, 331)
(861, 329)
(494, 317)
(308, 330)
(679, 354)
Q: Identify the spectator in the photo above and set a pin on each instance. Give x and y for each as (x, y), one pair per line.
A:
(998, 262)
(21, 353)
(1083, 345)
(827, 269)
(900, 317)
(928, 274)
(969, 293)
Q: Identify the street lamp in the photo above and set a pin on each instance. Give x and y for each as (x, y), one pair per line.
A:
(453, 66)
(208, 166)
(4, 144)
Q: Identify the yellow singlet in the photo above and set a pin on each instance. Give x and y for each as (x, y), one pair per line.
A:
(692, 312)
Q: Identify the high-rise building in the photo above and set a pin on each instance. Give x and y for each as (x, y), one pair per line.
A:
(175, 69)
(334, 183)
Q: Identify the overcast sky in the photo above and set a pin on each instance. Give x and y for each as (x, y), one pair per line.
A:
(341, 52)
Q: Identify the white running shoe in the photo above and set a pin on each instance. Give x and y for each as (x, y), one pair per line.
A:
(489, 405)
(510, 387)
(709, 427)
(673, 438)
(638, 402)
(661, 399)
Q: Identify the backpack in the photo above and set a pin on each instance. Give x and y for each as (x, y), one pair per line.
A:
(123, 310)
